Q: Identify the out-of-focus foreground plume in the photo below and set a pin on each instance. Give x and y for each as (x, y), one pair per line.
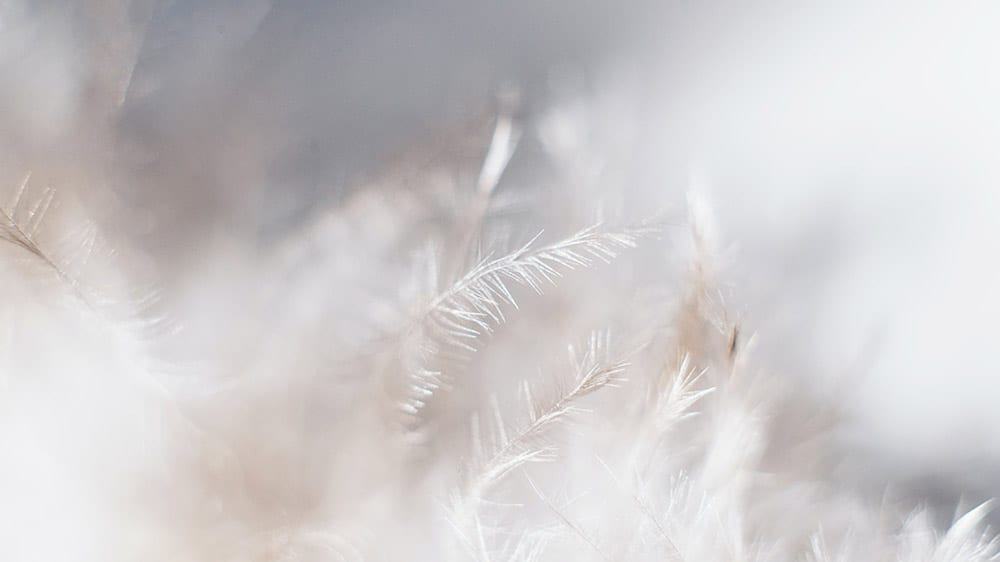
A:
(527, 281)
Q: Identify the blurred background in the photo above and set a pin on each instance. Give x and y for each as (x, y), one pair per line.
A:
(849, 150)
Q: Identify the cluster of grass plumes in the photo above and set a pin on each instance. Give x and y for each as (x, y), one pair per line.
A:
(445, 422)
(462, 359)
(515, 341)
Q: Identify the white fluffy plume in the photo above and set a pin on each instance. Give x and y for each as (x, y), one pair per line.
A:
(519, 339)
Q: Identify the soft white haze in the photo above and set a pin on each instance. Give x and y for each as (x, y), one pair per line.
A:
(260, 262)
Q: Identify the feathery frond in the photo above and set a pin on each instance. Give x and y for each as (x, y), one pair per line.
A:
(19, 222)
(565, 520)
(510, 451)
(474, 304)
(681, 395)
